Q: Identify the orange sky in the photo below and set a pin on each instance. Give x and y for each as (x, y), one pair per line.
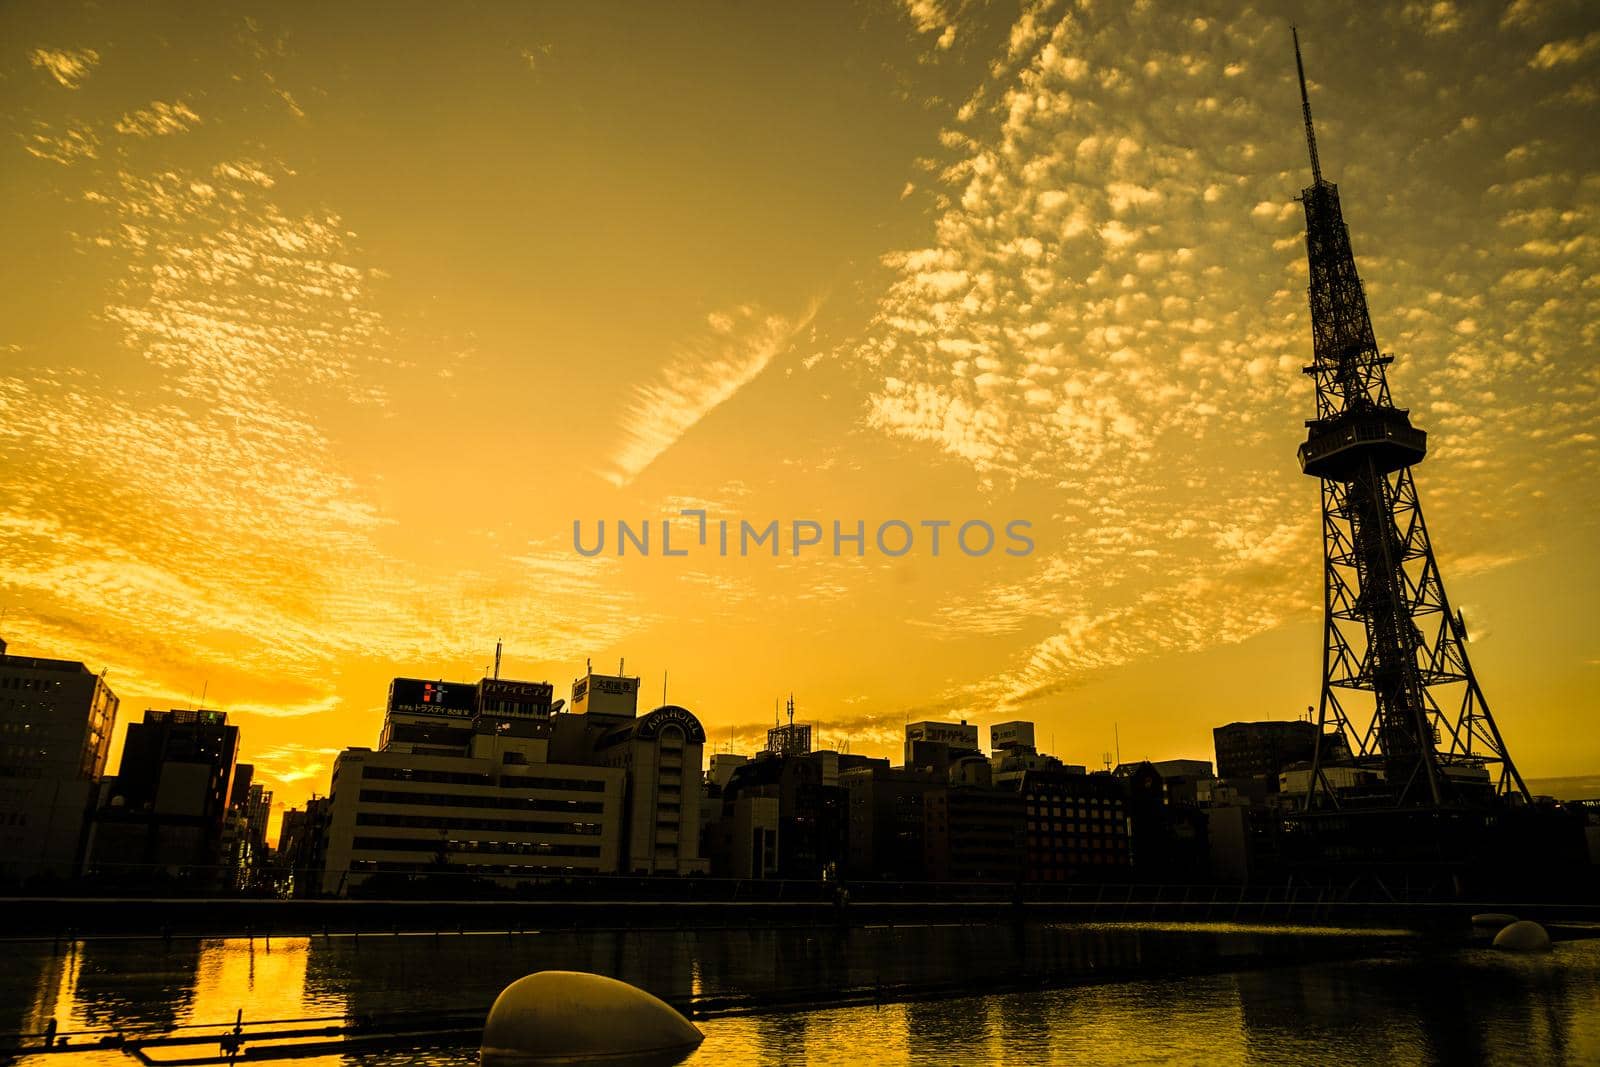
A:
(319, 331)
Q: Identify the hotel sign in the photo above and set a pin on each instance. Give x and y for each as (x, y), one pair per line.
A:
(673, 715)
(416, 696)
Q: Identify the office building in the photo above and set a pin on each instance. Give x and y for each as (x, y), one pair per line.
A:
(810, 814)
(298, 861)
(162, 817)
(56, 718)
(492, 780)
(1076, 826)
(463, 787)
(244, 831)
(983, 833)
(1263, 749)
(889, 828)
(497, 811)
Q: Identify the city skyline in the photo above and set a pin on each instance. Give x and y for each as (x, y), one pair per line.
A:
(309, 370)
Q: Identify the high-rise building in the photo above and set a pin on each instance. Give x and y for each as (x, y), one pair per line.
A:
(56, 718)
(890, 834)
(163, 815)
(244, 833)
(298, 859)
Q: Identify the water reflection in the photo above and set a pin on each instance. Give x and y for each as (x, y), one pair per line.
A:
(1143, 993)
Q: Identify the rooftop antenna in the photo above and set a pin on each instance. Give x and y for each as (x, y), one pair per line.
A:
(620, 662)
(588, 665)
(791, 712)
(1116, 740)
(203, 687)
(1305, 108)
(663, 688)
(497, 645)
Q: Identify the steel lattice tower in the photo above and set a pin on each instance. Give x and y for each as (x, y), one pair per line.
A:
(1391, 637)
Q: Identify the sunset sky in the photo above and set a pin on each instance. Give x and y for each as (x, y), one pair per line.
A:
(320, 325)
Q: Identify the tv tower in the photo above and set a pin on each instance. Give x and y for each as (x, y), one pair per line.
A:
(1397, 686)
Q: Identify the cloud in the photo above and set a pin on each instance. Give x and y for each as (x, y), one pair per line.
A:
(699, 375)
(158, 119)
(1561, 53)
(69, 67)
(66, 148)
(1111, 304)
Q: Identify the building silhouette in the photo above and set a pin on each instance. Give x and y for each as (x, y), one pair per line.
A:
(491, 782)
(162, 817)
(56, 718)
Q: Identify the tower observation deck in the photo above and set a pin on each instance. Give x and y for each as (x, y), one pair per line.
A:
(1414, 730)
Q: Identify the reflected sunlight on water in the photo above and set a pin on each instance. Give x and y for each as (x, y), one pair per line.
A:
(1394, 998)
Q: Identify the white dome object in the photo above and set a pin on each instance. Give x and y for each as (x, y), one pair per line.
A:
(1523, 936)
(575, 1017)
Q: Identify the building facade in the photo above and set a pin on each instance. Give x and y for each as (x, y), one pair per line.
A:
(56, 718)
(1076, 825)
(162, 818)
(490, 780)
(1263, 749)
(476, 815)
(661, 754)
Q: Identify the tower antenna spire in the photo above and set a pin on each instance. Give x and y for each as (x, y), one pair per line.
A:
(1305, 109)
